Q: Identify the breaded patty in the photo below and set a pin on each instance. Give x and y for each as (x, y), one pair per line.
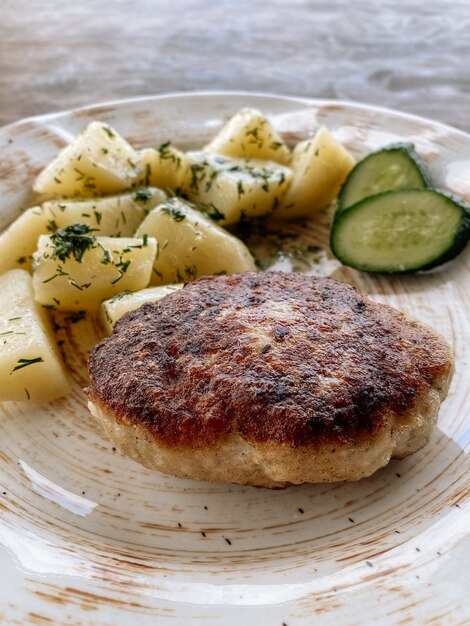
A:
(268, 379)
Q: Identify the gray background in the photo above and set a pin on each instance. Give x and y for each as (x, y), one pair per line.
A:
(407, 55)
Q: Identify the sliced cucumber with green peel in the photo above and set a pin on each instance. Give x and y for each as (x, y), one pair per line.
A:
(397, 166)
(401, 231)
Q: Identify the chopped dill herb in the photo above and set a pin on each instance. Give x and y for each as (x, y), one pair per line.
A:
(122, 266)
(213, 212)
(275, 145)
(212, 177)
(77, 286)
(159, 274)
(73, 241)
(148, 174)
(25, 362)
(81, 175)
(51, 226)
(120, 295)
(190, 272)
(109, 131)
(197, 175)
(166, 153)
(173, 209)
(141, 194)
(76, 316)
(59, 272)
(164, 149)
(21, 260)
(240, 189)
(254, 133)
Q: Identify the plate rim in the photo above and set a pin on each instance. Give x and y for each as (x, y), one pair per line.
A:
(321, 102)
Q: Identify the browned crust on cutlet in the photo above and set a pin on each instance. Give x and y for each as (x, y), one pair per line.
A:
(272, 357)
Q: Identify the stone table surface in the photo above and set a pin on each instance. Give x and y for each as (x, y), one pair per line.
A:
(408, 55)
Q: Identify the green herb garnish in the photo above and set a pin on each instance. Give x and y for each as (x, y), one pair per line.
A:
(141, 194)
(173, 209)
(213, 212)
(25, 362)
(73, 241)
(109, 131)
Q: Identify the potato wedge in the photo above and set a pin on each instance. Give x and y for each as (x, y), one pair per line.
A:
(163, 167)
(75, 271)
(230, 190)
(190, 245)
(31, 366)
(113, 216)
(99, 161)
(20, 239)
(320, 166)
(114, 308)
(249, 134)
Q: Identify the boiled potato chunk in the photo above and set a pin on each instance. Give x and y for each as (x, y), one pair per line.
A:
(99, 161)
(30, 363)
(320, 166)
(20, 239)
(74, 271)
(190, 245)
(113, 309)
(249, 134)
(114, 216)
(231, 189)
(163, 167)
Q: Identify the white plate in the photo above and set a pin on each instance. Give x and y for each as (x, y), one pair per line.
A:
(92, 538)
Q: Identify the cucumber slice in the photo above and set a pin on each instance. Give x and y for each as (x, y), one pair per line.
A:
(401, 231)
(397, 166)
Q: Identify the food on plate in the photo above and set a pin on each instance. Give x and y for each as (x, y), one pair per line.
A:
(320, 165)
(105, 235)
(230, 189)
(74, 270)
(98, 161)
(268, 379)
(31, 367)
(249, 134)
(163, 167)
(190, 244)
(401, 231)
(114, 308)
(113, 216)
(397, 166)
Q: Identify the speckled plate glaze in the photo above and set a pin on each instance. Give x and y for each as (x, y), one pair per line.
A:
(90, 537)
